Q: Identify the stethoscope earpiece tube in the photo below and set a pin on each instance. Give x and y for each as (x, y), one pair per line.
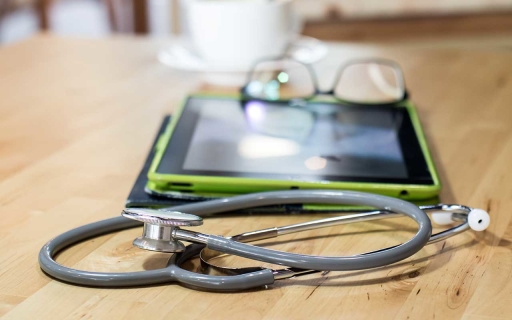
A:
(325, 263)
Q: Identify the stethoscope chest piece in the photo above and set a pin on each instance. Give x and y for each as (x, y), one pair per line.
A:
(160, 227)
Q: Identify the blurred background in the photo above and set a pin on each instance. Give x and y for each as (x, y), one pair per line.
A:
(473, 23)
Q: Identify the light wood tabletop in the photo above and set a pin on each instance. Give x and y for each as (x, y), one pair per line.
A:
(78, 116)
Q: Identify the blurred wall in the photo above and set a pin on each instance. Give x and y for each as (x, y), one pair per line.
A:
(328, 9)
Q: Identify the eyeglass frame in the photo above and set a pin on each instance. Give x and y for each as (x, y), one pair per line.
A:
(331, 92)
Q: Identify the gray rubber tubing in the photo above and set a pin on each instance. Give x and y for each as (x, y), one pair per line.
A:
(324, 263)
(171, 273)
(174, 273)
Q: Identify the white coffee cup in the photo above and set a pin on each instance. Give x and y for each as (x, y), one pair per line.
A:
(237, 33)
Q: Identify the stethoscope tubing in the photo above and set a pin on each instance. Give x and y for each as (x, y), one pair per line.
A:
(226, 245)
(171, 273)
(325, 263)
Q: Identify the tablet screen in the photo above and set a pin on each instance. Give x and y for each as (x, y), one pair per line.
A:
(318, 141)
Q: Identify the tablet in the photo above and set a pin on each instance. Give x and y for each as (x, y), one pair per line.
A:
(225, 145)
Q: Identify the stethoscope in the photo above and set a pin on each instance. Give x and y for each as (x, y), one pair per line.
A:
(162, 231)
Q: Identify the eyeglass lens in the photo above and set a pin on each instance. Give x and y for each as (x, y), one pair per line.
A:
(280, 80)
(370, 82)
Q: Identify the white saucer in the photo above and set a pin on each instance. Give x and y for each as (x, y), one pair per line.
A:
(179, 56)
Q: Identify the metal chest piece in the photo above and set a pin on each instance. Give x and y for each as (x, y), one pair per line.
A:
(160, 227)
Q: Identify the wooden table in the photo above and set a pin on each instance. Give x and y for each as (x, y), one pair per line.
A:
(77, 118)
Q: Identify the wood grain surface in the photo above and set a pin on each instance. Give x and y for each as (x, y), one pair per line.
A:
(77, 118)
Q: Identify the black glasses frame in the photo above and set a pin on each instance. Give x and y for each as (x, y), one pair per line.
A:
(246, 96)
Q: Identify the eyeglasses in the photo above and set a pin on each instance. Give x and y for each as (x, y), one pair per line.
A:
(364, 81)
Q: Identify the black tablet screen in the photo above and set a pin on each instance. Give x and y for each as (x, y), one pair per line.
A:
(318, 141)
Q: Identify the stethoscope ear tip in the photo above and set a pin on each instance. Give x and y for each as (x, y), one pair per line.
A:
(442, 218)
(478, 219)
